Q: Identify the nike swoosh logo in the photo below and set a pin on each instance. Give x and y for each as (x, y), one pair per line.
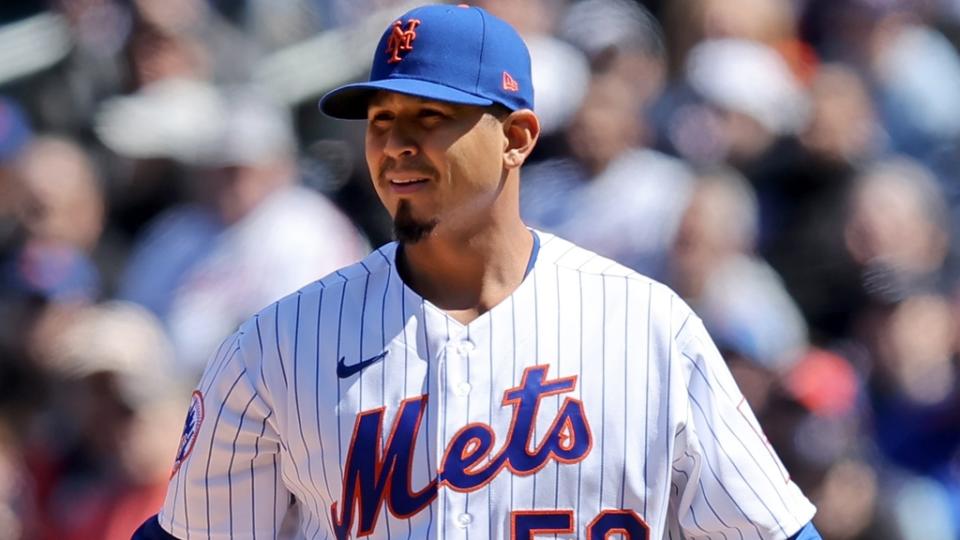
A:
(344, 371)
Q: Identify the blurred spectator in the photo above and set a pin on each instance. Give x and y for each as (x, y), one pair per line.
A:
(114, 435)
(771, 23)
(61, 199)
(250, 236)
(910, 66)
(846, 502)
(843, 123)
(172, 48)
(611, 195)
(173, 118)
(608, 182)
(913, 346)
(752, 99)
(805, 398)
(803, 185)
(156, 55)
(42, 288)
(619, 37)
(741, 300)
(914, 395)
(919, 113)
(50, 272)
(64, 97)
(896, 230)
(16, 510)
(60, 218)
(157, 64)
(155, 132)
(177, 38)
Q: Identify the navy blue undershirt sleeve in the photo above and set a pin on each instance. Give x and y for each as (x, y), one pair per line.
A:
(808, 532)
(151, 530)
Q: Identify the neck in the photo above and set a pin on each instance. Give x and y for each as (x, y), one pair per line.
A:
(466, 273)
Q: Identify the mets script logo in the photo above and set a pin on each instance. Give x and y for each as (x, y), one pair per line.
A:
(401, 40)
(190, 429)
(375, 477)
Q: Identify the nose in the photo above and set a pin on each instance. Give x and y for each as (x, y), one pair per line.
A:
(400, 142)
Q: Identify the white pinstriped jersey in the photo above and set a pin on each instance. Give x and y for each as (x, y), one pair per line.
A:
(589, 402)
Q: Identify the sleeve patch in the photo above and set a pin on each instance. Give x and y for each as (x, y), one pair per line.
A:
(191, 427)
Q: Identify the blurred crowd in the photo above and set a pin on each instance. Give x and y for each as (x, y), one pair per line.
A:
(790, 167)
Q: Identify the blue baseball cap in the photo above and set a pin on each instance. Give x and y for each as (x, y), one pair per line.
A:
(458, 54)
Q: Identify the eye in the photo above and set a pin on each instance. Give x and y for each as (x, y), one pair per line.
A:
(432, 116)
(380, 118)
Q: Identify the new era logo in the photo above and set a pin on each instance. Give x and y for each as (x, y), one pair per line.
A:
(509, 83)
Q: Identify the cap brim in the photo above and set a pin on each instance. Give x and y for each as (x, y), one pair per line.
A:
(349, 102)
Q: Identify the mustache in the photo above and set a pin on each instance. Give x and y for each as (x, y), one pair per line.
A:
(417, 168)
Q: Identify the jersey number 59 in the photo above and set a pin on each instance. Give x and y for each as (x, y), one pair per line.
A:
(525, 524)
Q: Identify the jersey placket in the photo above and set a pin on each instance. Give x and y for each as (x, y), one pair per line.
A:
(454, 395)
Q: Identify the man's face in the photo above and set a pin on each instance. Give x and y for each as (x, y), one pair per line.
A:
(433, 163)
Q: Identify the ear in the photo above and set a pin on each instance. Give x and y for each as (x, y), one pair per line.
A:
(521, 130)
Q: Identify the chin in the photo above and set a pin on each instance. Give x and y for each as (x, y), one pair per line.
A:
(412, 233)
(408, 228)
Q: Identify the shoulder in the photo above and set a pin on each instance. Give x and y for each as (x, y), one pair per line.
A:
(377, 262)
(638, 291)
(565, 255)
(268, 340)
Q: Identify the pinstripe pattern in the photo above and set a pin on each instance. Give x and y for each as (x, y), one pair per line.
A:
(444, 397)
(579, 482)
(513, 365)
(537, 354)
(466, 506)
(670, 437)
(491, 401)
(556, 481)
(316, 391)
(428, 358)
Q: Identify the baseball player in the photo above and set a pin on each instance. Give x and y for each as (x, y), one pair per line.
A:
(475, 379)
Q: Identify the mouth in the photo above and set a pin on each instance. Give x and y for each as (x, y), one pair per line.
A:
(407, 184)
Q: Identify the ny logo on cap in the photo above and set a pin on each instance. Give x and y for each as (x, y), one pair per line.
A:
(401, 40)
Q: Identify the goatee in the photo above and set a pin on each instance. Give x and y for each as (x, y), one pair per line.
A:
(408, 229)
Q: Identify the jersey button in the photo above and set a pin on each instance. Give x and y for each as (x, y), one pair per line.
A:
(464, 520)
(465, 347)
(463, 389)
